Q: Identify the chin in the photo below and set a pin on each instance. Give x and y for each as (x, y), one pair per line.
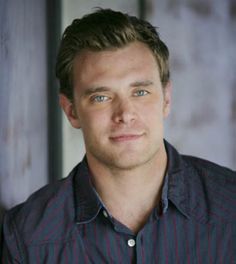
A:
(127, 158)
(126, 166)
(127, 162)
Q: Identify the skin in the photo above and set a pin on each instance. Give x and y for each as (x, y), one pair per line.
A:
(120, 105)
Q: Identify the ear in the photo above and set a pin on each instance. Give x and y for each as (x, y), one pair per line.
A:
(69, 109)
(167, 92)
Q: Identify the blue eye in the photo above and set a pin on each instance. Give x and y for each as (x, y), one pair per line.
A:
(140, 93)
(100, 98)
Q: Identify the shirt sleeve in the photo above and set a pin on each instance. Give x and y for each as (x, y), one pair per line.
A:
(9, 245)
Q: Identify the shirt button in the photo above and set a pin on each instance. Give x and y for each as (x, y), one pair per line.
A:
(131, 242)
(105, 213)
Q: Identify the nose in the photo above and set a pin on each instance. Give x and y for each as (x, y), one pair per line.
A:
(124, 111)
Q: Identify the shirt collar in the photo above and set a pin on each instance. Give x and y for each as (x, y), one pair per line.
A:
(177, 171)
(88, 204)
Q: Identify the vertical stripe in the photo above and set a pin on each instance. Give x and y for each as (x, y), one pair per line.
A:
(96, 237)
(142, 249)
(231, 244)
(131, 254)
(95, 231)
(218, 241)
(108, 248)
(118, 248)
(37, 254)
(197, 244)
(165, 238)
(209, 243)
(154, 238)
(175, 239)
(75, 248)
(87, 251)
(65, 254)
(57, 253)
(86, 258)
(187, 243)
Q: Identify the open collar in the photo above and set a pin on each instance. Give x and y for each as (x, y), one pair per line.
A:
(88, 204)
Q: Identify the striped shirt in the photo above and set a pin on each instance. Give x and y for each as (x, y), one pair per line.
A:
(67, 223)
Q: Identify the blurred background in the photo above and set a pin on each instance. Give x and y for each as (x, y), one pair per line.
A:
(37, 144)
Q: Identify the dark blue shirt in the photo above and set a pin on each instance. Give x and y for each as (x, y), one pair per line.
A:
(67, 223)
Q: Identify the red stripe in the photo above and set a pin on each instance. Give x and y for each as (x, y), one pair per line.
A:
(187, 242)
(118, 248)
(97, 242)
(218, 240)
(175, 240)
(231, 251)
(165, 239)
(37, 255)
(66, 253)
(198, 244)
(143, 258)
(108, 247)
(75, 252)
(209, 243)
(95, 232)
(85, 239)
(155, 232)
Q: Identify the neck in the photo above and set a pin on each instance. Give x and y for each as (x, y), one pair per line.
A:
(130, 195)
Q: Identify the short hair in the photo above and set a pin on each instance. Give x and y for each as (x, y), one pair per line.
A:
(102, 30)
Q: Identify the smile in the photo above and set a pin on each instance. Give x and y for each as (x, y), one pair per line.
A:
(125, 137)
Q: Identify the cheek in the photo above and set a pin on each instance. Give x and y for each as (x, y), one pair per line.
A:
(93, 121)
(153, 113)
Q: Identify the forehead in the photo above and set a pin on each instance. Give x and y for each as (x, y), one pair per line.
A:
(134, 58)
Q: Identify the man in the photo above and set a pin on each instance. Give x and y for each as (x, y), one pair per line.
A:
(133, 199)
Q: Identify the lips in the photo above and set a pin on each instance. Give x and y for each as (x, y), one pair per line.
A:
(125, 137)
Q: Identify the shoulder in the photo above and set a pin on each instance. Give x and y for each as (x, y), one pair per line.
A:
(36, 218)
(42, 200)
(208, 170)
(211, 190)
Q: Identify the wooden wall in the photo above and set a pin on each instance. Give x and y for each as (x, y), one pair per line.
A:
(23, 100)
(202, 41)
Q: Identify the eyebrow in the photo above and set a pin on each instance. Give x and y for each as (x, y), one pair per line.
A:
(141, 83)
(93, 90)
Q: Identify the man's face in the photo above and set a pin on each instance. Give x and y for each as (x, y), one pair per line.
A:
(119, 104)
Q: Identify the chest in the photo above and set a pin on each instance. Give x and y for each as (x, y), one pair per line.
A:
(170, 239)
